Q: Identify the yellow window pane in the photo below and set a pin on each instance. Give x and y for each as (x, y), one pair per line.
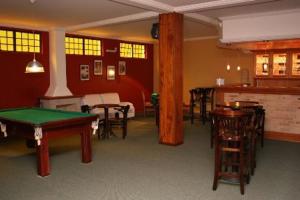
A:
(71, 46)
(67, 51)
(76, 46)
(2, 33)
(37, 43)
(37, 49)
(9, 34)
(66, 39)
(31, 43)
(25, 42)
(4, 47)
(71, 40)
(76, 40)
(71, 51)
(18, 35)
(18, 41)
(25, 35)
(25, 48)
(80, 40)
(18, 48)
(3, 41)
(37, 36)
(10, 41)
(67, 45)
(10, 47)
(80, 52)
(31, 49)
(30, 36)
(76, 51)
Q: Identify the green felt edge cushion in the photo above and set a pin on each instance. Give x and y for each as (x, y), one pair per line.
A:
(38, 116)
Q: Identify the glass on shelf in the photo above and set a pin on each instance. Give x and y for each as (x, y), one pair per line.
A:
(262, 64)
(279, 64)
(296, 64)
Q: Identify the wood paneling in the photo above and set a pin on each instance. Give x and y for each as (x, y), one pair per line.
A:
(171, 81)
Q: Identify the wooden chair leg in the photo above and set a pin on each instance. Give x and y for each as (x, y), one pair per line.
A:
(217, 166)
(241, 170)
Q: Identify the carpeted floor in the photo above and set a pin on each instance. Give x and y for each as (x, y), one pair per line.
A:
(139, 168)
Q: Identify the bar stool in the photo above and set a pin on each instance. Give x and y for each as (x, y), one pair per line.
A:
(232, 146)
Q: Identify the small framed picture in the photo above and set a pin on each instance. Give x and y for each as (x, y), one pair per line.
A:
(84, 72)
(111, 73)
(98, 67)
(122, 68)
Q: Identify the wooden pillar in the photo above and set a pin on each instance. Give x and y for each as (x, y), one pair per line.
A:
(171, 83)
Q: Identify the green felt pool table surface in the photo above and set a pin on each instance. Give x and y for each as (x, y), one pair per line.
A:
(39, 116)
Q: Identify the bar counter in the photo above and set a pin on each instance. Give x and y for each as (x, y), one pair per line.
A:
(282, 105)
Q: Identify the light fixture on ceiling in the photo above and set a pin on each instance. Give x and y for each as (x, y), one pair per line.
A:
(34, 66)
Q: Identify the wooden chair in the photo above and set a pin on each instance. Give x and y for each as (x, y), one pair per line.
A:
(148, 107)
(232, 149)
(260, 124)
(120, 120)
(203, 97)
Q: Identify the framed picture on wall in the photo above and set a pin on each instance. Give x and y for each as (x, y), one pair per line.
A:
(84, 72)
(98, 67)
(122, 68)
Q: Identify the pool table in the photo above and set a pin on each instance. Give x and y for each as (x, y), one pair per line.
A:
(42, 124)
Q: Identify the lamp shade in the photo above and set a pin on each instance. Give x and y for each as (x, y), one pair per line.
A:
(34, 67)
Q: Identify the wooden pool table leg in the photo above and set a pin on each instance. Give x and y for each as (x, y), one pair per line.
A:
(86, 149)
(43, 157)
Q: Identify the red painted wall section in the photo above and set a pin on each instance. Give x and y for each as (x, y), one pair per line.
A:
(17, 88)
(138, 78)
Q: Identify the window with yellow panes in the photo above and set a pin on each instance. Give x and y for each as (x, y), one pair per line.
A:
(92, 47)
(74, 45)
(125, 50)
(28, 42)
(6, 40)
(139, 51)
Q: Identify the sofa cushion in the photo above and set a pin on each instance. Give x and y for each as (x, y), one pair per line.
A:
(110, 98)
(91, 99)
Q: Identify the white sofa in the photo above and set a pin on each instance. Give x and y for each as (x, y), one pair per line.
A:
(106, 98)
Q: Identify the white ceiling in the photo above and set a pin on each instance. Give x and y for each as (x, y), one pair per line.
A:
(119, 19)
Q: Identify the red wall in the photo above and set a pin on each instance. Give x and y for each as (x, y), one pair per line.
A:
(18, 89)
(138, 78)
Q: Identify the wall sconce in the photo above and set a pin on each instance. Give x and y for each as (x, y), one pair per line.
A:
(228, 67)
(111, 72)
(238, 68)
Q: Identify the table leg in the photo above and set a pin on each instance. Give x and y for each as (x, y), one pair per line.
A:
(86, 148)
(43, 157)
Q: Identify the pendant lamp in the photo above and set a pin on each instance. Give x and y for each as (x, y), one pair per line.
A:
(34, 66)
